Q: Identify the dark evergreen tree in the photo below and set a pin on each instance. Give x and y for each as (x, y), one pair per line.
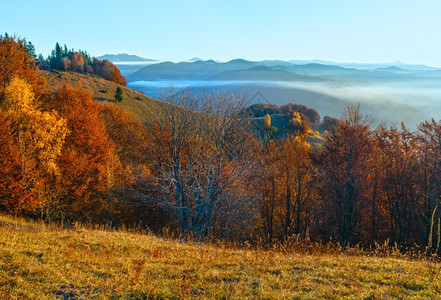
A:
(58, 56)
(118, 95)
(30, 48)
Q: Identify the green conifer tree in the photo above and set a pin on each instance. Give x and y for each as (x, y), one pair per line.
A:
(118, 95)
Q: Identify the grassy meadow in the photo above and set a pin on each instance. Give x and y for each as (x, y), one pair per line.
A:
(41, 261)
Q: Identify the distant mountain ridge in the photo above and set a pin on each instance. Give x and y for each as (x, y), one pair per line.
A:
(123, 57)
(198, 70)
(367, 66)
(392, 92)
(241, 69)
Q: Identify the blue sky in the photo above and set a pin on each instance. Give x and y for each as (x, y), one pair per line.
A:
(339, 30)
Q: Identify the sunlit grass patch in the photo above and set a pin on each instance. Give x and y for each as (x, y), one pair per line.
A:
(48, 262)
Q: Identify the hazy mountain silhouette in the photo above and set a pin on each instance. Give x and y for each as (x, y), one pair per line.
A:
(198, 70)
(124, 57)
(389, 92)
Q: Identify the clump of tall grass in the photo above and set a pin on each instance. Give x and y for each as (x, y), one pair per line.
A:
(432, 256)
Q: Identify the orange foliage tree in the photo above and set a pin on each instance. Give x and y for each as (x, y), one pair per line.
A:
(109, 71)
(11, 196)
(127, 133)
(15, 60)
(77, 62)
(87, 162)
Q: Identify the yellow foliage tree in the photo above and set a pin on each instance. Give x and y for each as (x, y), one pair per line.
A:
(296, 118)
(40, 134)
(268, 121)
(295, 176)
(297, 125)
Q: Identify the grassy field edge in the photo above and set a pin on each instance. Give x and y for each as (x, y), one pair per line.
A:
(48, 262)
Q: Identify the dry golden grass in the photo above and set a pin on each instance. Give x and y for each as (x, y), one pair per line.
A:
(103, 90)
(40, 261)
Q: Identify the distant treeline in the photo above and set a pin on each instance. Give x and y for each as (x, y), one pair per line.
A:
(260, 110)
(64, 156)
(66, 59)
(284, 118)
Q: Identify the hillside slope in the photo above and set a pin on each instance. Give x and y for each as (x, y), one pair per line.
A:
(47, 262)
(142, 106)
(103, 90)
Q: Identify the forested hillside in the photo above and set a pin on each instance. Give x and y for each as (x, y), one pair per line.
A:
(77, 147)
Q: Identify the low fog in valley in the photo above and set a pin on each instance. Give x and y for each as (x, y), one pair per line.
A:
(389, 95)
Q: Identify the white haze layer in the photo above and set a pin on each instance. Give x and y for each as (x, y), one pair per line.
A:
(411, 102)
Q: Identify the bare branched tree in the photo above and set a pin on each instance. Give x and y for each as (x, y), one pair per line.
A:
(201, 159)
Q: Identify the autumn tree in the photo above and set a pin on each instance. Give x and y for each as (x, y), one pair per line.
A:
(399, 159)
(329, 123)
(297, 125)
(375, 223)
(266, 185)
(66, 63)
(77, 62)
(267, 121)
(40, 136)
(126, 131)
(429, 140)
(343, 171)
(87, 162)
(109, 71)
(16, 61)
(202, 159)
(295, 176)
(89, 69)
(11, 192)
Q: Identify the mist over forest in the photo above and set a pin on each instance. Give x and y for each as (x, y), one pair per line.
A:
(388, 93)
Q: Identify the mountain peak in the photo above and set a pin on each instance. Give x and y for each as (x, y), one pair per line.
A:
(123, 57)
(390, 68)
(239, 60)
